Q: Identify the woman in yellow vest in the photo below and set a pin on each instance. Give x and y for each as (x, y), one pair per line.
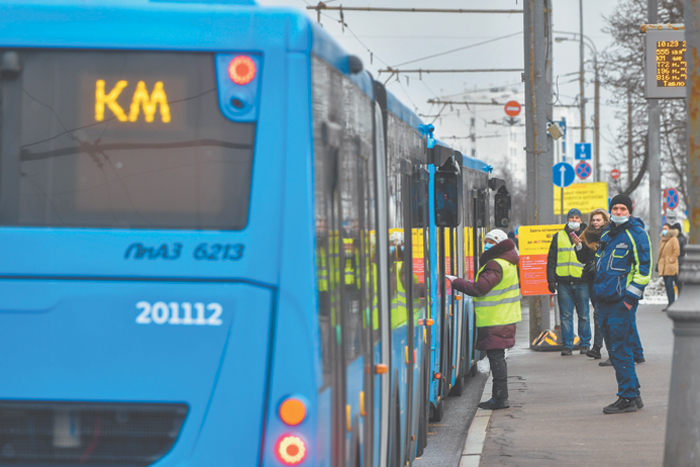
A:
(497, 308)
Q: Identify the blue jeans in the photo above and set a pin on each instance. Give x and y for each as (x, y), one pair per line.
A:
(571, 295)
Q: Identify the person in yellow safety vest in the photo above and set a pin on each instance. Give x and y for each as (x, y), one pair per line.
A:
(565, 276)
(497, 308)
(348, 247)
(399, 309)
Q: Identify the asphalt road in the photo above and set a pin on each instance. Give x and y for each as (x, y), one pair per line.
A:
(446, 438)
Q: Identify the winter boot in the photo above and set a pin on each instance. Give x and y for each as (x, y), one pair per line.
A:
(622, 405)
(594, 353)
(495, 404)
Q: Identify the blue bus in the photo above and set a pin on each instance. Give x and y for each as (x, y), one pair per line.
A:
(222, 241)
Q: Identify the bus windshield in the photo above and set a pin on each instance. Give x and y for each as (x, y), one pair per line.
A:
(114, 139)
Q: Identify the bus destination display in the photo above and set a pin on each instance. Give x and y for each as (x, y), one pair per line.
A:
(671, 66)
(665, 69)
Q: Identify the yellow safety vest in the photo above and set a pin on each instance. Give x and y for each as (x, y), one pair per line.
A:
(502, 304)
(567, 263)
(321, 269)
(348, 249)
(399, 310)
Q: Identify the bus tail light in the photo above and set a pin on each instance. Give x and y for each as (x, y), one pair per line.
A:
(242, 69)
(291, 450)
(292, 411)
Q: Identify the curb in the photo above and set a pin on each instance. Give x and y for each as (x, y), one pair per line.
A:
(476, 436)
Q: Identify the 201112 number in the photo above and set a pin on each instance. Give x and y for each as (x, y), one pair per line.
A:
(193, 314)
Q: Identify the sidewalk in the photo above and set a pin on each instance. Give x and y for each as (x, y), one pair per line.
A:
(556, 414)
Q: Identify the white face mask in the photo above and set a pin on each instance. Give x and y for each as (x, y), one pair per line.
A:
(619, 219)
(574, 225)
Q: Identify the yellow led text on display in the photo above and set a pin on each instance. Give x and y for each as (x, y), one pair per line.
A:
(140, 99)
(671, 66)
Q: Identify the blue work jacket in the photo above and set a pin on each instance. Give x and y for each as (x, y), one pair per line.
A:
(623, 262)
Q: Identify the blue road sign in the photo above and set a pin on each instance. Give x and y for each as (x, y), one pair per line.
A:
(672, 198)
(563, 174)
(582, 151)
(583, 169)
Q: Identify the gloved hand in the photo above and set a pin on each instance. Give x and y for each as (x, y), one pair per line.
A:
(450, 278)
(552, 287)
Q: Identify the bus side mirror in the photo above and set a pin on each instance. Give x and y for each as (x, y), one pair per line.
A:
(502, 207)
(448, 184)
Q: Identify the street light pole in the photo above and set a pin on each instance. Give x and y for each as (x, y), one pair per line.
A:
(581, 81)
(596, 119)
(596, 98)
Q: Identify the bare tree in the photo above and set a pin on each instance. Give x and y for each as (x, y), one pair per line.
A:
(622, 72)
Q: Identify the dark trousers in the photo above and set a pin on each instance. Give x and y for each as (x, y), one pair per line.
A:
(622, 340)
(670, 293)
(499, 371)
(598, 334)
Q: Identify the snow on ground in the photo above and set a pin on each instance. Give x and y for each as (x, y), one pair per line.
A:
(655, 293)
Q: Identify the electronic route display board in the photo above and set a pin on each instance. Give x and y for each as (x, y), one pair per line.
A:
(666, 66)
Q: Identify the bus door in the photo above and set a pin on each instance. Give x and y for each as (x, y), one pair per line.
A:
(334, 297)
(448, 187)
(355, 297)
(422, 284)
(381, 323)
(405, 277)
(480, 222)
(369, 304)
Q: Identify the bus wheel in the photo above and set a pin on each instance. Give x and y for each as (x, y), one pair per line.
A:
(458, 387)
(436, 413)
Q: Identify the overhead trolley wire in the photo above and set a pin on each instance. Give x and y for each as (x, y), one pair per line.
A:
(458, 49)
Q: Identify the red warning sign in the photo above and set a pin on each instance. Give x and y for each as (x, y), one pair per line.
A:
(512, 108)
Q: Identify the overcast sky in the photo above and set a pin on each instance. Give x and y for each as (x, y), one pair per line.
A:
(396, 38)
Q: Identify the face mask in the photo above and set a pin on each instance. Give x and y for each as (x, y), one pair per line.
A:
(619, 219)
(574, 225)
(664, 232)
(487, 246)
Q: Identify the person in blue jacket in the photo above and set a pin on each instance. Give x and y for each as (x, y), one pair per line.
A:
(623, 270)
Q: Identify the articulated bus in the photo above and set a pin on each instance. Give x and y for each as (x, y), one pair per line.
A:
(223, 243)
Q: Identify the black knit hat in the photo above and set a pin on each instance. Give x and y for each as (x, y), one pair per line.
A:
(621, 199)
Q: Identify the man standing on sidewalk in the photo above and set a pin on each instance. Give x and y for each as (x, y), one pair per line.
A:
(624, 270)
(564, 274)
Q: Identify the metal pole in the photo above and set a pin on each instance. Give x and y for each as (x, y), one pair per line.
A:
(581, 80)
(682, 446)
(654, 149)
(596, 121)
(630, 146)
(539, 148)
(682, 435)
(692, 36)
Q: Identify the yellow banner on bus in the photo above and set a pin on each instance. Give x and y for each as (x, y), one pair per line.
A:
(583, 196)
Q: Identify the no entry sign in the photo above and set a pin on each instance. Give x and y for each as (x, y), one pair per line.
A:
(615, 174)
(512, 108)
